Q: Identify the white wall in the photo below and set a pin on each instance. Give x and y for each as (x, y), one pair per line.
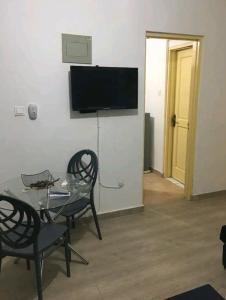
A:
(32, 71)
(156, 66)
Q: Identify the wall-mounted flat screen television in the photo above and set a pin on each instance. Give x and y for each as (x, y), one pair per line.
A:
(100, 88)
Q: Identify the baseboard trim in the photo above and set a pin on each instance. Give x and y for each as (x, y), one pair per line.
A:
(121, 212)
(147, 171)
(111, 214)
(157, 172)
(209, 195)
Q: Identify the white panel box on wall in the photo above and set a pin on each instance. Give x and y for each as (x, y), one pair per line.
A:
(76, 49)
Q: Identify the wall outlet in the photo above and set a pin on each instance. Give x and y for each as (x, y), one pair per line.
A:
(120, 184)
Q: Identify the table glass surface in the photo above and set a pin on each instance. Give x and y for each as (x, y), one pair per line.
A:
(46, 198)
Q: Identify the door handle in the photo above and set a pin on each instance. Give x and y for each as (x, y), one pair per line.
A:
(174, 120)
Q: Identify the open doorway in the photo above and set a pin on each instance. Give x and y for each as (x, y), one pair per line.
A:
(172, 72)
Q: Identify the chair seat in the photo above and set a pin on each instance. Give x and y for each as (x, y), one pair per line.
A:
(74, 208)
(48, 235)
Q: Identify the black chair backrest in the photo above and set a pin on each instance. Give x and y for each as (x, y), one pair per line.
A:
(84, 166)
(19, 224)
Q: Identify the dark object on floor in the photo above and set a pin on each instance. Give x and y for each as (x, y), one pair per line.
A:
(22, 235)
(223, 239)
(205, 292)
(84, 166)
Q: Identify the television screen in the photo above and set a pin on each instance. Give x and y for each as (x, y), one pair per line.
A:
(97, 88)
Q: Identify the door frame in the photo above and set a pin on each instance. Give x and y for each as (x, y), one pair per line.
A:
(196, 42)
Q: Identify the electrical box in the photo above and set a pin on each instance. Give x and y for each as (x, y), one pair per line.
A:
(76, 49)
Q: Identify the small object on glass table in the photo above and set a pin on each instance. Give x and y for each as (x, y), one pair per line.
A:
(42, 184)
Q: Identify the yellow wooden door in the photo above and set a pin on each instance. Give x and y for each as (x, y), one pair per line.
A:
(182, 99)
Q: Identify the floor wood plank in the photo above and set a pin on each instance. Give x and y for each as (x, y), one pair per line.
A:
(170, 247)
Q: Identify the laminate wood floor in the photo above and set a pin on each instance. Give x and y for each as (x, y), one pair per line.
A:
(170, 247)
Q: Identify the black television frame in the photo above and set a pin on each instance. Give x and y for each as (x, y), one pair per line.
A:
(96, 108)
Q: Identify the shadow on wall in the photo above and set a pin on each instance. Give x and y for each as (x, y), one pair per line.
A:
(148, 142)
(152, 136)
(103, 113)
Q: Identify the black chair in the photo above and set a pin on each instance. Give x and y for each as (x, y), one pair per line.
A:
(223, 239)
(84, 166)
(23, 236)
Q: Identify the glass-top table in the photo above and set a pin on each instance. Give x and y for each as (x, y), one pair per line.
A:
(65, 191)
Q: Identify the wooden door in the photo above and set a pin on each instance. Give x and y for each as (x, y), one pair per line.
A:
(182, 99)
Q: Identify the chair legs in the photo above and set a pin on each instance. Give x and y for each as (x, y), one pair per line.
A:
(73, 221)
(96, 220)
(38, 272)
(67, 254)
(28, 264)
(68, 223)
(224, 256)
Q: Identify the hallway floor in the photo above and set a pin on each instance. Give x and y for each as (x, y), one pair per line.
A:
(169, 247)
(160, 190)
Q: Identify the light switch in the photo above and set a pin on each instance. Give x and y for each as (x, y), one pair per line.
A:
(19, 110)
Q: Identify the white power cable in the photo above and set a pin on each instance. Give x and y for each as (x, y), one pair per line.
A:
(119, 186)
